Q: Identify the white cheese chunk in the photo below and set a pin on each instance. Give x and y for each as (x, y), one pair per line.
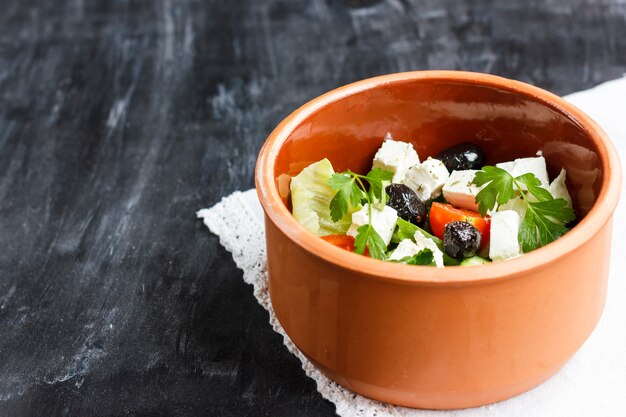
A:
(427, 179)
(405, 248)
(409, 248)
(507, 166)
(503, 240)
(396, 157)
(460, 191)
(531, 165)
(517, 204)
(383, 221)
(558, 189)
(426, 243)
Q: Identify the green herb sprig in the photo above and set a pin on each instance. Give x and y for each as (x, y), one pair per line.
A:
(351, 191)
(406, 230)
(423, 257)
(544, 220)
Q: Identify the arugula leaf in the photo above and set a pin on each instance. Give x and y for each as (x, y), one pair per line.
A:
(368, 237)
(544, 223)
(498, 188)
(423, 257)
(533, 184)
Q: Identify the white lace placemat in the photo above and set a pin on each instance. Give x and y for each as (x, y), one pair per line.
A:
(592, 383)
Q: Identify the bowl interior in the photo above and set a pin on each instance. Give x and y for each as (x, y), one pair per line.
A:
(434, 114)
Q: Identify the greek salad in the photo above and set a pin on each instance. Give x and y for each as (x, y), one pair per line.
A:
(447, 210)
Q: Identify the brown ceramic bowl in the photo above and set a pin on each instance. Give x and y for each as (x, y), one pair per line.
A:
(420, 336)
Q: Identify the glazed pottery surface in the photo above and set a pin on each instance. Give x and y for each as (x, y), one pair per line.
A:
(421, 336)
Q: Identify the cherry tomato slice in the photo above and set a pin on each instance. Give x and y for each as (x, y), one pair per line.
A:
(343, 241)
(442, 214)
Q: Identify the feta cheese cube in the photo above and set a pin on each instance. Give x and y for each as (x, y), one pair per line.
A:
(558, 189)
(517, 204)
(409, 248)
(427, 179)
(503, 240)
(507, 166)
(405, 248)
(396, 157)
(383, 221)
(531, 165)
(426, 243)
(460, 191)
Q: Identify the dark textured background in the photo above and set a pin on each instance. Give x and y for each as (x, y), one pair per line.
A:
(119, 119)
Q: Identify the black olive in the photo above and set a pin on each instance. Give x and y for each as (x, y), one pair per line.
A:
(461, 240)
(406, 203)
(462, 157)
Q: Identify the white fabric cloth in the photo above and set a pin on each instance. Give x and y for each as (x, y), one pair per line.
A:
(592, 383)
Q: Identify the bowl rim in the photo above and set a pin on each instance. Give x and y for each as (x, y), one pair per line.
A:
(600, 213)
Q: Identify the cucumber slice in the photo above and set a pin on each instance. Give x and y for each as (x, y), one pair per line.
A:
(310, 200)
(474, 260)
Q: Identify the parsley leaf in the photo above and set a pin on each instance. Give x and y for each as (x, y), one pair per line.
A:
(498, 188)
(544, 220)
(348, 192)
(338, 181)
(533, 184)
(377, 179)
(543, 223)
(338, 206)
(368, 237)
(351, 191)
(423, 257)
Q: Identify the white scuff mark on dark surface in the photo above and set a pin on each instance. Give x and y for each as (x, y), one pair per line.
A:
(4, 299)
(189, 36)
(169, 30)
(93, 349)
(269, 42)
(117, 112)
(223, 104)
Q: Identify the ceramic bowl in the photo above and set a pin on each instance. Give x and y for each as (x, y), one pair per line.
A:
(420, 336)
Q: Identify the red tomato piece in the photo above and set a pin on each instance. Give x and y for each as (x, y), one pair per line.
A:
(343, 241)
(442, 214)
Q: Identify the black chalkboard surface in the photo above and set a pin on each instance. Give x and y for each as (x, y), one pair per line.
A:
(119, 119)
